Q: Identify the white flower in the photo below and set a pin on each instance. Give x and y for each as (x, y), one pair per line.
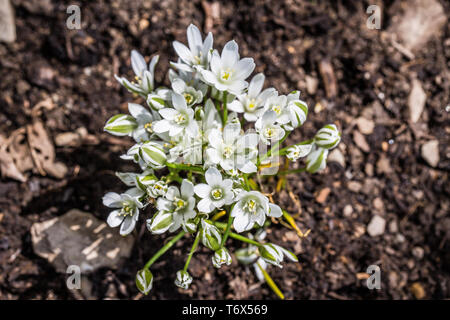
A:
(328, 137)
(274, 254)
(251, 207)
(220, 257)
(268, 131)
(228, 72)
(178, 120)
(144, 119)
(215, 193)
(190, 94)
(278, 104)
(156, 188)
(187, 150)
(127, 213)
(144, 76)
(298, 150)
(180, 204)
(230, 149)
(316, 160)
(252, 102)
(160, 223)
(183, 279)
(199, 52)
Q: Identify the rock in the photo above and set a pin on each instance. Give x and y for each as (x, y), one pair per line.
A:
(311, 84)
(416, 101)
(79, 238)
(418, 252)
(421, 20)
(348, 210)
(7, 23)
(430, 152)
(360, 141)
(384, 165)
(376, 226)
(323, 195)
(336, 156)
(378, 204)
(354, 186)
(393, 226)
(365, 126)
(417, 290)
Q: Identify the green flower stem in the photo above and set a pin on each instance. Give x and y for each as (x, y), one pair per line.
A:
(247, 184)
(244, 239)
(181, 166)
(236, 236)
(191, 253)
(227, 230)
(225, 110)
(285, 172)
(166, 247)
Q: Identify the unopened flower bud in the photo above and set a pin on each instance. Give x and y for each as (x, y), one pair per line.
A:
(211, 236)
(220, 257)
(160, 223)
(316, 160)
(328, 137)
(144, 280)
(183, 279)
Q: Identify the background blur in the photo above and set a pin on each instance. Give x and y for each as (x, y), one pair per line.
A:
(383, 200)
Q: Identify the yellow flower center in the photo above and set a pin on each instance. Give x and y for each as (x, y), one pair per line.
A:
(148, 127)
(277, 109)
(217, 194)
(188, 97)
(180, 118)
(227, 151)
(179, 204)
(226, 74)
(126, 211)
(251, 206)
(269, 132)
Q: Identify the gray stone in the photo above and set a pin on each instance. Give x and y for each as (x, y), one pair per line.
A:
(376, 226)
(79, 238)
(430, 152)
(7, 23)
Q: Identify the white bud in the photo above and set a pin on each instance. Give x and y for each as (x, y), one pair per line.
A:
(220, 257)
(121, 125)
(160, 223)
(211, 236)
(153, 154)
(316, 160)
(144, 280)
(328, 137)
(183, 279)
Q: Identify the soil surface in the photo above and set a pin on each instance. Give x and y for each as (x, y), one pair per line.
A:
(348, 74)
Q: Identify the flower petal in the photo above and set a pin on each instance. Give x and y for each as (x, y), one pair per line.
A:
(256, 85)
(127, 226)
(213, 177)
(187, 189)
(202, 190)
(114, 219)
(112, 200)
(230, 54)
(138, 63)
(205, 205)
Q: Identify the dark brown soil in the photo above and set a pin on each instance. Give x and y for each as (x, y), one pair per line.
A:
(288, 41)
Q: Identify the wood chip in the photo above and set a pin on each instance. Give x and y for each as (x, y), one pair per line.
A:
(328, 77)
(416, 101)
(323, 195)
(360, 141)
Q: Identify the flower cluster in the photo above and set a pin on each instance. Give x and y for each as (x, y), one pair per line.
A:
(198, 164)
